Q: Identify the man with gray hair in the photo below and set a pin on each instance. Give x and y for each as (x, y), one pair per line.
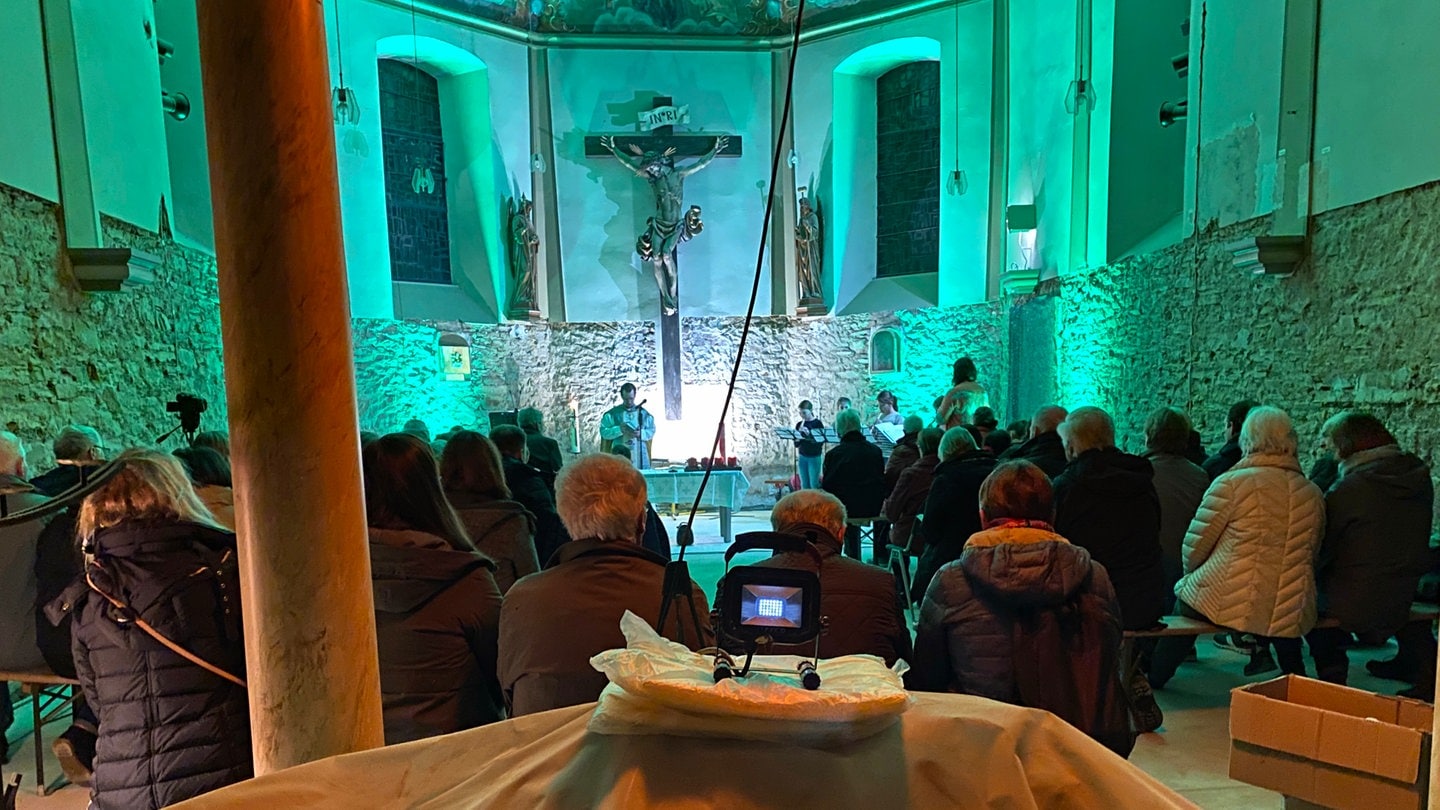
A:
(553, 621)
(18, 650)
(865, 610)
(76, 446)
(952, 509)
(1043, 448)
(1105, 501)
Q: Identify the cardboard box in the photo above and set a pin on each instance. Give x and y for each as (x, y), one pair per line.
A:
(1330, 745)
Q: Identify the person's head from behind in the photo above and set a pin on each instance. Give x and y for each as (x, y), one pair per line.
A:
(1268, 431)
(847, 421)
(418, 429)
(1351, 432)
(1235, 418)
(1167, 430)
(913, 425)
(402, 490)
(1046, 420)
(367, 436)
(964, 371)
(929, 441)
(148, 486)
(213, 439)
(1085, 429)
(807, 410)
(602, 497)
(622, 450)
(78, 443)
(205, 466)
(936, 406)
(984, 418)
(530, 420)
(12, 455)
(471, 464)
(810, 510)
(998, 441)
(627, 395)
(887, 402)
(1017, 490)
(510, 441)
(956, 442)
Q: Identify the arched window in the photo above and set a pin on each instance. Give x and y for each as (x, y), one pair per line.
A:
(418, 217)
(907, 220)
(886, 350)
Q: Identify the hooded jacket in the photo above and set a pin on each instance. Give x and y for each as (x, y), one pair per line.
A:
(952, 513)
(1105, 502)
(1045, 451)
(437, 616)
(907, 501)
(502, 530)
(170, 730)
(1250, 551)
(1377, 539)
(964, 639)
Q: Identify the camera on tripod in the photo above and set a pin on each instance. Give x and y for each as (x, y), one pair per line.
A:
(758, 606)
(188, 407)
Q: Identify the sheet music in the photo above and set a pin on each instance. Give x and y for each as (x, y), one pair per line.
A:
(889, 433)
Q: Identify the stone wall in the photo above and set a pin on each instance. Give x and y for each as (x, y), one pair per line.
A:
(111, 360)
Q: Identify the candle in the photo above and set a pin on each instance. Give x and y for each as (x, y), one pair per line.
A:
(574, 427)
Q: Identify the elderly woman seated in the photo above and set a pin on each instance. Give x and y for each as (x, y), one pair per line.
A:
(1249, 555)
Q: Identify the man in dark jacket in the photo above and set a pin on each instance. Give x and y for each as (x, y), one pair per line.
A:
(969, 640)
(528, 488)
(1377, 544)
(1105, 502)
(952, 509)
(865, 609)
(77, 446)
(544, 451)
(554, 621)
(907, 501)
(1229, 453)
(1043, 448)
(18, 650)
(854, 472)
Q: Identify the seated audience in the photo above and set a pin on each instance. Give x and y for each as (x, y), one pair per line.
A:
(952, 509)
(1250, 551)
(1376, 545)
(865, 609)
(171, 729)
(997, 442)
(1043, 448)
(985, 421)
(905, 452)
(18, 649)
(78, 445)
(418, 429)
(854, 472)
(437, 608)
(1179, 483)
(544, 451)
(527, 486)
(1024, 617)
(657, 538)
(907, 500)
(1105, 502)
(213, 439)
(1229, 453)
(1019, 430)
(500, 528)
(554, 621)
(210, 473)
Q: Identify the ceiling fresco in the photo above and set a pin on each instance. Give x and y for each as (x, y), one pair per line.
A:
(758, 18)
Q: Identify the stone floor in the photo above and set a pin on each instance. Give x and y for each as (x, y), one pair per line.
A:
(1189, 753)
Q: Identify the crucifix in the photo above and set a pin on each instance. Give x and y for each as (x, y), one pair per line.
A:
(653, 158)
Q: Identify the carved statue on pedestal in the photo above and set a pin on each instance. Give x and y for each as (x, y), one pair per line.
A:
(809, 257)
(524, 248)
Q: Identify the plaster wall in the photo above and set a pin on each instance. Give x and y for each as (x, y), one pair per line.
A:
(27, 146)
(191, 218)
(603, 207)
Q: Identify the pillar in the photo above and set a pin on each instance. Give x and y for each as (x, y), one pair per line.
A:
(784, 283)
(550, 272)
(285, 324)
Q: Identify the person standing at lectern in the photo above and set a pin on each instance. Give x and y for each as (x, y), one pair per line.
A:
(631, 425)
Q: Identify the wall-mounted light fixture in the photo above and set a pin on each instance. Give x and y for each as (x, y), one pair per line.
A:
(1080, 96)
(1173, 111)
(176, 105)
(537, 163)
(1021, 217)
(1181, 64)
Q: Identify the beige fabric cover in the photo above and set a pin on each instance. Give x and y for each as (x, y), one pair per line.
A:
(947, 751)
(1250, 552)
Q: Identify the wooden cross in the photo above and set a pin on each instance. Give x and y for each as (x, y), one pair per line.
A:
(684, 145)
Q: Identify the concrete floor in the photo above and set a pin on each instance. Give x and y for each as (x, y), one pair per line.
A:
(1190, 753)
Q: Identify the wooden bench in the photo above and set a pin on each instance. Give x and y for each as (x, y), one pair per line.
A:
(50, 696)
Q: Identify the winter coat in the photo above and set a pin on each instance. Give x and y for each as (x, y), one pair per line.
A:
(528, 488)
(169, 729)
(502, 530)
(554, 621)
(1105, 502)
(18, 650)
(907, 501)
(1250, 551)
(854, 472)
(1180, 484)
(1377, 540)
(1223, 459)
(544, 454)
(905, 453)
(1045, 451)
(437, 618)
(952, 513)
(964, 639)
(58, 480)
(866, 611)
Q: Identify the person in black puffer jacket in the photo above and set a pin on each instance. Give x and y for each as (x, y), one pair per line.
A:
(171, 728)
(437, 607)
(952, 510)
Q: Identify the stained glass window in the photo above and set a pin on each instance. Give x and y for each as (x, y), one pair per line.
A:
(414, 174)
(907, 178)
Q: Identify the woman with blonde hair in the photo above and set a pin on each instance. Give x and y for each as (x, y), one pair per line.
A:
(500, 527)
(157, 639)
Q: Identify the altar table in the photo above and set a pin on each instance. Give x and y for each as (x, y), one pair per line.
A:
(725, 491)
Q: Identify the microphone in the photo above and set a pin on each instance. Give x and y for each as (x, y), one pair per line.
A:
(642, 403)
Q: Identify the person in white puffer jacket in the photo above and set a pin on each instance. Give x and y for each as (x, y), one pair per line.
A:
(1249, 555)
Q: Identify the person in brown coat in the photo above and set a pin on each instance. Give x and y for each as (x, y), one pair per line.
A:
(554, 621)
(500, 528)
(906, 452)
(866, 612)
(907, 501)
